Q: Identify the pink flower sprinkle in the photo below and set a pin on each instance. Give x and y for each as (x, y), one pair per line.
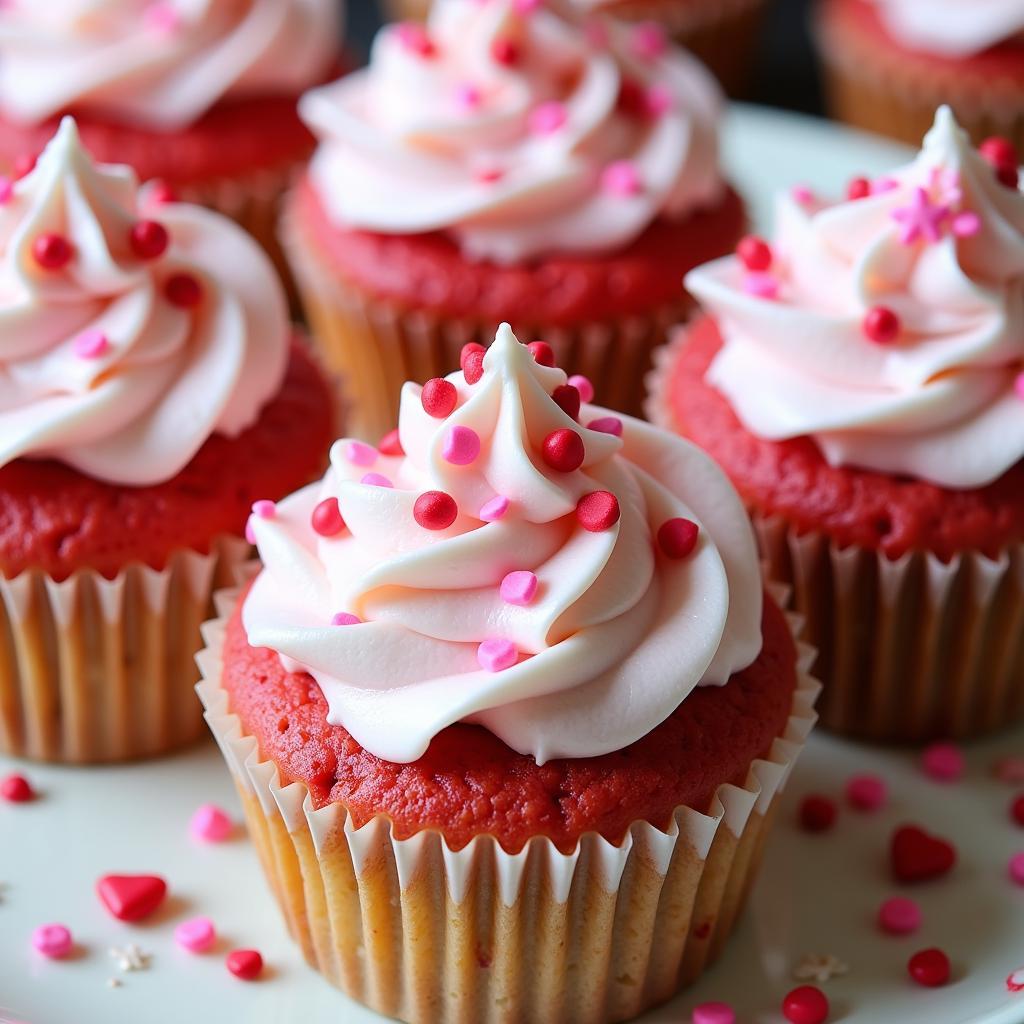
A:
(622, 178)
(496, 655)
(211, 824)
(196, 935)
(360, 454)
(922, 220)
(943, 762)
(606, 425)
(6, 189)
(519, 587)
(713, 1013)
(882, 185)
(52, 940)
(899, 916)
(547, 118)
(493, 510)
(461, 446)
(91, 344)
(802, 195)
(376, 480)
(867, 792)
(264, 509)
(345, 619)
(762, 285)
(468, 97)
(583, 386)
(660, 100)
(966, 224)
(648, 40)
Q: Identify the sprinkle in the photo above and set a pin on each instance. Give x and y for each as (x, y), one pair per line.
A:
(1016, 868)
(346, 619)
(376, 480)
(496, 655)
(91, 344)
(130, 958)
(999, 151)
(6, 189)
(542, 352)
(806, 1005)
(149, 239)
(899, 916)
(246, 964)
(52, 940)
(648, 40)
(439, 398)
(495, 509)
(563, 450)
(764, 286)
(131, 897)
(858, 188)
(211, 824)
(52, 251)
(929, 968)
(415, 39)
(1015, 981)
(505, 51)
(802, 195)
(547, 118)
(114, 983)
(1017, 811)
(755, 253)
(632, 98)
(820, 967)
(183, 291)
(659, 100)
(1018, 385)
(196, 935)
(606, 425)
(943, 762)
(525, 7)
(161, 18)
(160, 193)
(622, 178)
(435, 510)
(567, 398)
(882, 185)
(583, 386)
(264, 509)
(1009, 768)
(966, 224)
(519, 587)
(922, 220)
(391, 444)
(713, 1013)
(468, 97)
(360, 453)
(881, 325)
(867, 792)
(327, 520)
(916, 856)
(817, 813)
(24, 165)
(598, 511)
(461, 446)
(16, 789)
(473, 367)
(470, 348)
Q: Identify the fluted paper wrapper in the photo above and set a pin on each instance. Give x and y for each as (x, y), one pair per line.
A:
(97, 670)
(376, 346)
(909, 650)
(434, 936)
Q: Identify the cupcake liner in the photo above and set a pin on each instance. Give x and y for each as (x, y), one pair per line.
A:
(418, 931)
(99, 670)
(909, 650)
(376, 346)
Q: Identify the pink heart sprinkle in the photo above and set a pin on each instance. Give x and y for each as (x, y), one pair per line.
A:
(196, 935)
(606, 425)
(461, 446)
(376, 480)
(899, 916)
(622, 179)
(519, 587)
(547, 118)
(583, 386)
(345, 619)
(264, 509)
(496, 655)
(493, 510)
(360, 454)
(763, 286)
(91, 344)
(52, 940)
(211, 824)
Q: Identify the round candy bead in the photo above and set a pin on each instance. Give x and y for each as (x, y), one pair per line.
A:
(754, 253)
(678, 537)
(361, 454)
(713, 1013)
(471, 348)
(1017, 810)
(391, 444)
(149, 239)
(327, 520)
(999, 151)
(52, 940)
(435, 510)
(564, 450)
(899, 916)
(16, 789)
(196, 935)
(473, 367)
(1016, 868)
(496, 655)
(943, 762)
(183, 291)
(246, 964)
(1008, 175)
(264, 509)
(542, 352)
(881, 325)
(505, 51)
(817, 813)
(439, 398)
(583, 386)
(461, 446)
(929, 968)
(211, 824)
(867, 792)
(493, 510)
(805, 1005)
(597, 511)
(52, 251)
(858, 188)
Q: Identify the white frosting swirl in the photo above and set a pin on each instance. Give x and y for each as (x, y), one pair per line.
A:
(517, 159)
(159, 63)
(952, 28)
(617, 634)
(135, 409)
(941, 402)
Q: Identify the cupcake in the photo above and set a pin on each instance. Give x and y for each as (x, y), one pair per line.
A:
(503, 164)
(200, 95)
(150, 392)
(860, 380)
(506, 671)
(890, 63)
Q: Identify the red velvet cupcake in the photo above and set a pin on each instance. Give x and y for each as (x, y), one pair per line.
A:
(202, 97)
(514, 667)
(860, 380)
(150, 393)
(507, 164)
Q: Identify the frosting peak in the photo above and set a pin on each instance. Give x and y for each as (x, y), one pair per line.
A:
(512, 568)
(518, 129)
(125, 342)
(889, 327)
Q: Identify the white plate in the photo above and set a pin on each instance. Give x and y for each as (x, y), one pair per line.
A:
(817, 894)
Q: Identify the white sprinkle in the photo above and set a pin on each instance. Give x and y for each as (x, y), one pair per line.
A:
(131, 957)
(819, 967)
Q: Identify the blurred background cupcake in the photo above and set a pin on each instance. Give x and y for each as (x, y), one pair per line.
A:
(199, 95)
(890, 63)
(505, 163)
(151, 391)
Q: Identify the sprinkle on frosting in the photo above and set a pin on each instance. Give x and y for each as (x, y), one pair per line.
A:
(583, 644)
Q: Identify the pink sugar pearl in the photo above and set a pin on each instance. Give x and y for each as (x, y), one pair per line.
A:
(461, 446)
(867, 792)
(196, 935)
(360, 454)
(376, 480)
(346, 619)
(761, 285)
(606, 425)
(493, 510)
(583, 386)
(622, 178)
(649, 41)
(211, 824)
(943, 762)
(496, 655)
(899, 916)
(52, 940)
(713, 1013)
(802, 194)
(1016, 868)
(519, 588)
(548, 118)
(91, 344)
(264, 509)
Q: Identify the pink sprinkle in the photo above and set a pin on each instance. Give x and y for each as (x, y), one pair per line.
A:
(526, 6)
(547, 118)
(1017, 868)
(660, 100)
(899, 916)
(468, 97)
(622, 178)
(802, 194)
(764, 286)
(1018, 385)
(264, 509)
(519, 587)
(52, 940)
(713, 1013)
(867, 792)
(943, 762)
(376, 480)
(1009, 769)
(345, 619)
(91, 344)
(250, 534)
(461, 446)
(196, 935)
(488, 175)
(648, 40)
(6, 189)
(493, 510)
(496, 655)
(162, 17)
(606, 425)
(966, 224)
(360, 454)
(414, 39)
(583, 386)
(882, 185)
(211, 824)
(1015, 981)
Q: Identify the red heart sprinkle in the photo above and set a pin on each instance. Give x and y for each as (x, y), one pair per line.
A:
(917, 856)
(246, 964)
(131, 897)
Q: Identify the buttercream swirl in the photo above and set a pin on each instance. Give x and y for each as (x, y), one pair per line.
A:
(98, 368)
(939, 248)
(158, 63)
(517, 131)
(616, 633)
(952, 28)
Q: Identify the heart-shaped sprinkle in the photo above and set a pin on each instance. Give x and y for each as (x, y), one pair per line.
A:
(246, 964)
(131, 897)
(196, 935)
(917, 856)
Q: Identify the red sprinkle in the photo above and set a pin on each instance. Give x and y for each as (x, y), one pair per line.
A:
(1017, 810)
(439, 398)
(160, 193)
(598, 511)
(858, 188)
(435, 510)
(473, 367)
(149, 239)
(327, 519)
(999, 151)
(678, 537)
(505, 51)
(567, 398)
(564, 450)
(754, 253)
(817, 813)
(918, 857)
(52, 251)
(881, 325)
(131, 897)
(1008, 175)
(183, 291)
(24, 165)
(930, 968)
(391, 444)
(542, 352)
(246, 964)
(468, 350)
(806, 1005)
(16, 789)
